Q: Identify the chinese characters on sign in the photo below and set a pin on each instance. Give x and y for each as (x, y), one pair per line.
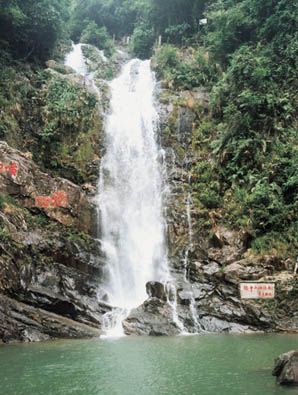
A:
(11, 168)
(58, 199)
(257, 290)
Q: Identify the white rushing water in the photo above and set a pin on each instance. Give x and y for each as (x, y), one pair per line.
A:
(75, 59)
(192, 307)
(130, 192)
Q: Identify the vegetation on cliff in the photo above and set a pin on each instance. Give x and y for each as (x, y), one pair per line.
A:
(246, 146)
(246, 57)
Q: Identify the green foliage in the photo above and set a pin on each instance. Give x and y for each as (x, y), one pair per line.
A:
(4, 235)
(142, 41)
(31, 29)
(67, 112)
(207, 185)
(166, 57)
(66, 106)
(98, 37)
(229, 26)
(118, 16)
(254, 105)
(175, 20)
(185, 70)
(176, 34)
(2, 201)
(6, 199)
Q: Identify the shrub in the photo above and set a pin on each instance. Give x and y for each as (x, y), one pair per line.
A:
(166, 57)
(176, 34)
(99, 37)
(142, 41)
(185, 70)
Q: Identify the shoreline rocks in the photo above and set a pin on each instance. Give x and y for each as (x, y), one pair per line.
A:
(286, 368)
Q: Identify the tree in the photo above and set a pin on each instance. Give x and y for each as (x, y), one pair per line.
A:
(31, 29)
(97, 36)
(142, 41)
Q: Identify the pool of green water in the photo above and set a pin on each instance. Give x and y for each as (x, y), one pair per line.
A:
(203, 365)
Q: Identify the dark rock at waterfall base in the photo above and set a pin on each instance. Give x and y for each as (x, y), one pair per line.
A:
(20, 322)
(157, 290)
(153, 318)
(286, 368)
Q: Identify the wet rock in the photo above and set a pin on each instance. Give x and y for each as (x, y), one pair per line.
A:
(184, 297)
(211, 269)
(46, 264)
(153, 318)
(184, 125)
(216, 325)
(234, 272)
(20, 322)
(286, 368)
(157, 290)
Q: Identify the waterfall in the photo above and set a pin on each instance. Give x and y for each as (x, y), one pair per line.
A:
(130, 193)
(190, 231)
(75, 59)
(192, 306)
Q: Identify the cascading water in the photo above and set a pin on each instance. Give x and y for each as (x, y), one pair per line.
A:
(190, 231)
(192, 305)
(130, 194)
(75, 59)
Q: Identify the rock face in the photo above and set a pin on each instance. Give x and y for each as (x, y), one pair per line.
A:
(165, 313)
(207, 257)
(51, 268)
(286, 368)
(22, 322)
(29, 183)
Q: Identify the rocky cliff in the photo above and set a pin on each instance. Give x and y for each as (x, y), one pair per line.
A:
(51, 265)
(209, 254)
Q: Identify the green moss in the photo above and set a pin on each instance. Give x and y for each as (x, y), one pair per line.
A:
(6, 199)
(4, 235)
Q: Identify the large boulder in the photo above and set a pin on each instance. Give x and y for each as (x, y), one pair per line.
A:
(286, 368)
(153, 318)
(156, 316)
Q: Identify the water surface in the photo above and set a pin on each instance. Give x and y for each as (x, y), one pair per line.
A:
(203, 365)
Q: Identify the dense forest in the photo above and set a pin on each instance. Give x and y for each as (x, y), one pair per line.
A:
(245, 56)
